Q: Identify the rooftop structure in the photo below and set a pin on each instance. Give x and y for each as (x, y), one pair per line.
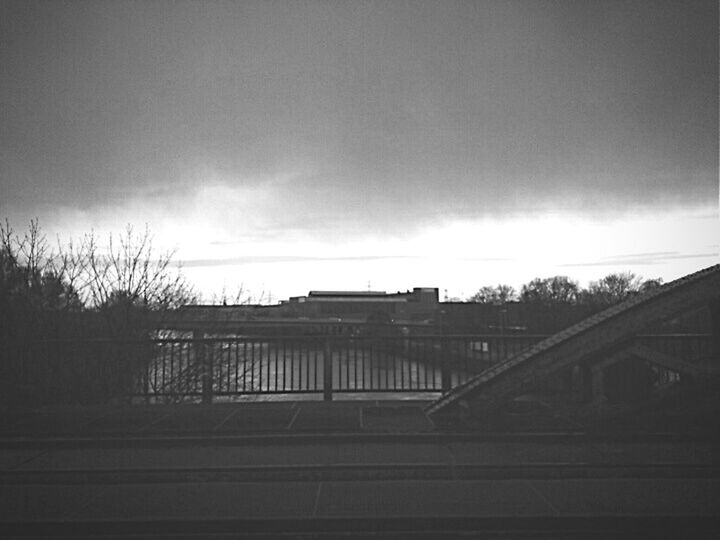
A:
(420, 303)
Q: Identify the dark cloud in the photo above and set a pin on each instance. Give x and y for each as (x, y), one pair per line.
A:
(385, 115)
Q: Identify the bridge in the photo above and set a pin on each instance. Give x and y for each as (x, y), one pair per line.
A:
(461, 372)
(168, 464)
(607, 338)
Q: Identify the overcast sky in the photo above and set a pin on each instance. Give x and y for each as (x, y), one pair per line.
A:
(289, 146)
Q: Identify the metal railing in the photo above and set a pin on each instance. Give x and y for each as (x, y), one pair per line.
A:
(329, 364)
(175, 369)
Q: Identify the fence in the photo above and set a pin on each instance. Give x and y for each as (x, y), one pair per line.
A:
(174, 369)
(330, 364)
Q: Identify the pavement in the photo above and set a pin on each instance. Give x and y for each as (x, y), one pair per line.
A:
(357, 468)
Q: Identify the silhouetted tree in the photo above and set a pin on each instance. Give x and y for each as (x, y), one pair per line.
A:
(124, 283)
(30, 278)
(557, 289)
(494, 295)
(617, 287)
(127, 280)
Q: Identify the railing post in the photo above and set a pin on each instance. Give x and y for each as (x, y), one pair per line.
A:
(327, 370)
(445, 371)
(205, 363)
(146, 374)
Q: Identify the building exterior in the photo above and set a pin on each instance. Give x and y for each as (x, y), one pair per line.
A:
(419, 304)
(320, 312)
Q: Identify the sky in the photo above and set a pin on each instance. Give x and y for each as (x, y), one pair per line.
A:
(287, 146)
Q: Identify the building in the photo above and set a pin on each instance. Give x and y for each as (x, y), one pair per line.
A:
(417, 305)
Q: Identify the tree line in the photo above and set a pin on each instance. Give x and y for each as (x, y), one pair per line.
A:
(125, 275)
(75, 317)
(608, 290)
(120, 276)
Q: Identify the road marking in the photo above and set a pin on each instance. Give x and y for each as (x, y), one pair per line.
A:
(542, 497)
(156, 421)
(317, 499)
(233, 413)
(28, 460)
(292, 420)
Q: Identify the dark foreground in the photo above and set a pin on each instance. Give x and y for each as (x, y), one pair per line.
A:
(360, 469)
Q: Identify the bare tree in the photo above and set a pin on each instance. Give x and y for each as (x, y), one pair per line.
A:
(617, 287)
(126, 280)
(557, 289)
(499, 294)
(31, 273)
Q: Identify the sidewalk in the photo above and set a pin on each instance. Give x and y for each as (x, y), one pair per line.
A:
(268, 417)
(328, 468)
(359, 417)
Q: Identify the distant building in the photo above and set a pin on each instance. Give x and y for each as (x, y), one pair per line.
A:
(320, 312)
(419, 304)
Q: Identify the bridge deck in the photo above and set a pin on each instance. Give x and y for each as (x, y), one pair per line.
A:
(287, 484)
(313, 467)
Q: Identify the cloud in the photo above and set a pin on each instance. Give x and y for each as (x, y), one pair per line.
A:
(286, 259)
(643, 259)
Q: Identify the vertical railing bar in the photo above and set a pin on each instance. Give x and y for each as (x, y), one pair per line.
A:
(277, 364)
(237, 366)
(317, 361)
(192, 373)
(393, 357)
(413, 366)
(430, 365)
(296, 366)
(174, 369)
(172, 366)
(413, 374)
(210, 366)
(284, 353)
(155, 372)
(292, 365)
(348, 360)
(375, 371)
(227, 363)
(303, 358)
(343, 348)
(196, 376)
(153, 365)
(355, 371)
(337, 345)
(410, 375)
(430, 362)
(311, 363)
(180, 371)
(328, 374)
(416, 367)
(316, 350)
(340, 362)
(367, 359)
(402, 376)
(404, 357)
(315, 370)
(245, 367)
(388, 359)
(425, 373)
(260, 367)
(437, 362)
(371, 358)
